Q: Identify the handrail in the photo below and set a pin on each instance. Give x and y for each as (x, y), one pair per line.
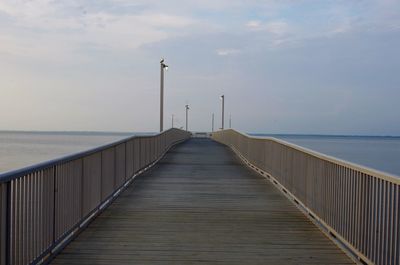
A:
(15, 173)
(42, 207)
(358, 206)
(364, 169)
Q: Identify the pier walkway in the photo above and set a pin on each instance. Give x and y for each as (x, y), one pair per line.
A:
(201, 205)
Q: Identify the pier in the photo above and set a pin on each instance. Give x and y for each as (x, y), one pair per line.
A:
(173, 199)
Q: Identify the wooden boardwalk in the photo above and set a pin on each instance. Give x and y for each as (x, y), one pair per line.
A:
(201, 205)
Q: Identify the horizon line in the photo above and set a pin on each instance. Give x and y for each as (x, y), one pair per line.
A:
(150, 132)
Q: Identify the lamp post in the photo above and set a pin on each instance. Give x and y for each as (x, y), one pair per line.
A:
(187, 110)
(212, 123)
(223, 109)
(172, 125)
(162, 67)
(230, 121)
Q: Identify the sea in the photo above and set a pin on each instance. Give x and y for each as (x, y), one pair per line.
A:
(20, 149)
(381, 153)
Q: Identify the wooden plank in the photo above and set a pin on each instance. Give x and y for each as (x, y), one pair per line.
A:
(201, 205)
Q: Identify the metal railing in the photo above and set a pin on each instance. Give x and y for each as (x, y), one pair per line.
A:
(43, 207)
(357, 206)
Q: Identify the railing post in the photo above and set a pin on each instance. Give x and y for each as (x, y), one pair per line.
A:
(5, 223)
(3, 206)
(55, 190)
(82, 191)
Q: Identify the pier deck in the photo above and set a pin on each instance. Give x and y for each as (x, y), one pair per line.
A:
(201, 205)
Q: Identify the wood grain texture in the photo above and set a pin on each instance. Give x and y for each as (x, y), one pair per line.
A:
(200, 205)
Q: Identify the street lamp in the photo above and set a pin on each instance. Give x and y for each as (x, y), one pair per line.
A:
(172, 126)
(223, 109)
(162, 67)
(212, 123)
(187, 110)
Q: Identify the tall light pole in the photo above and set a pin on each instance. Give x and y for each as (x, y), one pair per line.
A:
(187, 110)
(172, 125)
(230, 121)
(162, 67)
(212, 123)
(223, 110)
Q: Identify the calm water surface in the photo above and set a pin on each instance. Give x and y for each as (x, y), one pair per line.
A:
(381, 153)
(20, 149)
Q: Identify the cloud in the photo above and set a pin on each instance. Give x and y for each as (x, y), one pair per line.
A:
(254, 24)
(132, 31)
(275, 27)
(43, 28)
(276, 33)
(227, 52)
(25, 9)
(116, 44)
(341, 28)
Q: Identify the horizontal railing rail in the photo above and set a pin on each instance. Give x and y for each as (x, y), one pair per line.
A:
(42, 207)
(358, 206)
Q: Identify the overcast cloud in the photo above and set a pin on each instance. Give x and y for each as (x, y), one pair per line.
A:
(304, 66)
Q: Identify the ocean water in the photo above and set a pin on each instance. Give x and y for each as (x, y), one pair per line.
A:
(380, 153)
(21, 149)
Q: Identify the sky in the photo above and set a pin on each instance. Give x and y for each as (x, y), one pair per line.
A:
(304, 66)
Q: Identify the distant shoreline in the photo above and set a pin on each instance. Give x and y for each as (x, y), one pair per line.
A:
(127, 133)
(78, 132)
(324, 135)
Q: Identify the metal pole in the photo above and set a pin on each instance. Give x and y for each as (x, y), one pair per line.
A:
(161, 94)
(162, 66)
(223, 110)
(230, 121)
(187, 108)
(172, 126)
(212, 124)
